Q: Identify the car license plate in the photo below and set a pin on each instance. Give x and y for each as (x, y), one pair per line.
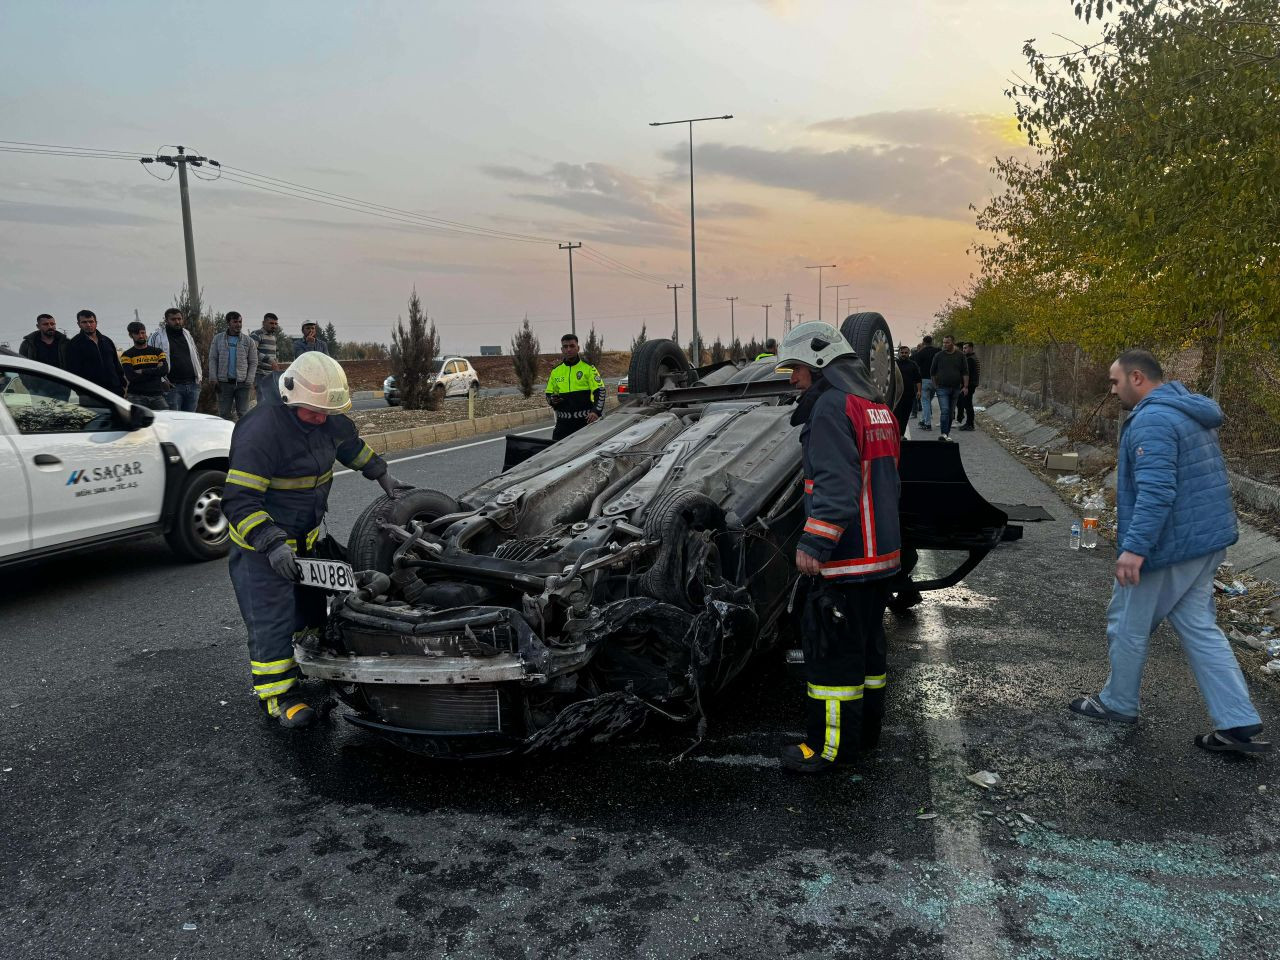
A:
(327, 574)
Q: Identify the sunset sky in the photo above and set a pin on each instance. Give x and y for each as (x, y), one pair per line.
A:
(862, 131)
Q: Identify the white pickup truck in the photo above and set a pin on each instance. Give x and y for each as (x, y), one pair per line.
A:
(80, 466)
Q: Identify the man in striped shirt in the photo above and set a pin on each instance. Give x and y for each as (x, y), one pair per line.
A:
(850, 548)
(274, 353)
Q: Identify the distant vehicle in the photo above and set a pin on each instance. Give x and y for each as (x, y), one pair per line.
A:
(80, 466)
(622, 386)
(453, 377)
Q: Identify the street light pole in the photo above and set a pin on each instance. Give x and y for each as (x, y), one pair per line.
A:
(766, 320)
(693, 246)
(820, 267)
(732, 335)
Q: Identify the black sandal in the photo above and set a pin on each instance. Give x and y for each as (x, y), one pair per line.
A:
(1224, 741)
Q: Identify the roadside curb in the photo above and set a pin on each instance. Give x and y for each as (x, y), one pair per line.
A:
(367, 395)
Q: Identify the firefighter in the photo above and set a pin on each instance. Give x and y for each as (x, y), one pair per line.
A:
(278, 482)
(850, 548)
(574, 390)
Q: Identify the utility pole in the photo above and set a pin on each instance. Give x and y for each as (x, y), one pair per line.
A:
(675, 306)
(799, 318)
(820, 267)
(766, 320)
(573, 313)
(837, 287)
(786, 316)
(732, 336)
(182, 160)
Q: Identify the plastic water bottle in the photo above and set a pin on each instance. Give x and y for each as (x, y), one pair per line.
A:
(1089, 535)
(1075, 535)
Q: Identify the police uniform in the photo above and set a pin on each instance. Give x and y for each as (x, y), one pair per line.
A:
(580, 391)
(277, 490)
(851, 450)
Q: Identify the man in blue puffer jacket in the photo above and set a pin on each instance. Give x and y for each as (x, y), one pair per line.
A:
(1173, 506)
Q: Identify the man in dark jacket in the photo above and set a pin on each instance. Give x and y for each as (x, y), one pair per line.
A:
(964, 406)
(850, 548)
(145, 369)
(1175, 521)
(910, 389)
(92, 355)
(277, 492)
(45, 344)
(924, 360)
(949, 373)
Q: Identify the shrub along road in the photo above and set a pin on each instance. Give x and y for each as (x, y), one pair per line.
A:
(150, 813)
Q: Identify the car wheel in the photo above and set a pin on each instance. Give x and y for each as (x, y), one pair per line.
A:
(392, 402)
(474, 389)
(868, 334)
(652, 364)
(368, 548)
(200, 528)
(685, 523)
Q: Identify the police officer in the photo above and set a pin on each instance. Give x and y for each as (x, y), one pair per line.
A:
(850, 547)
(574, 390)
(770, 349)
(281, 470)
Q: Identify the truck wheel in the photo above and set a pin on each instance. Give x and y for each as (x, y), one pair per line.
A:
(868, 334)
(368, 548)
(652, 364)
(199, 530)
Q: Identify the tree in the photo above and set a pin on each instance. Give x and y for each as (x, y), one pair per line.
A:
(753, 349)
(697, 352)
(525, 351)
(718, 352)
(331, 337)
(638, 340)
(1148, 214)
(594, 348)
(735, 351)
(413, 357)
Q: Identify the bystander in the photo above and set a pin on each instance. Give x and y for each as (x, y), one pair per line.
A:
(179, 348)
(233, 365)
(92, 355)
(145, 370)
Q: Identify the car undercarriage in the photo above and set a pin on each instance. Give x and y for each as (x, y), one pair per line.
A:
(633, 569)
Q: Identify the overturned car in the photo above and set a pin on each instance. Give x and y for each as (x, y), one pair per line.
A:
(633, 568)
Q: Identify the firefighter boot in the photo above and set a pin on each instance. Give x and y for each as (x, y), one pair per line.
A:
(290, 709)
(801, 758)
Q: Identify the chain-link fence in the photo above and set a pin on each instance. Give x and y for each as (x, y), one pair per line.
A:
(1245, 380)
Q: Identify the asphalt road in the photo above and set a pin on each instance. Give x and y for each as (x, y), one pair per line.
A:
(484, 392)
(150, 813)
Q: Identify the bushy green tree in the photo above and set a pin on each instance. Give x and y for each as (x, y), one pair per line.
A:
(638, 340)
(413, 357)
(525, 352)
(593, 349)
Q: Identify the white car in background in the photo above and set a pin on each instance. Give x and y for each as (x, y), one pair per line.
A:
(453, 377)
(80, 466)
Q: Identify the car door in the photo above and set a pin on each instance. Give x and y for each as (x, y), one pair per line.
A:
(451, 378)
(15, 503)
(87, 476)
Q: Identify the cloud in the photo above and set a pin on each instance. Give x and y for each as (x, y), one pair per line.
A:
(502, 172)
(977, 135)
(911, 180)
(50, 214)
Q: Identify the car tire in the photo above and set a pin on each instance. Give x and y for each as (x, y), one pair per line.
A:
(368, 548)
(392, 402)
(868, 333)
(200, 530)
(652, 364)
(685, 523)
(474, 390)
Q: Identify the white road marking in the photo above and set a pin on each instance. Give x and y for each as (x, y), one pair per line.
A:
(465, 446)
(973, 929)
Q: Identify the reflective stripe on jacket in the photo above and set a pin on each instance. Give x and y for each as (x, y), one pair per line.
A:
(580, 389)
(851, 488)
(281, 471)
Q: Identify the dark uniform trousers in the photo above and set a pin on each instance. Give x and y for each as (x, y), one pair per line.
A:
(276, 612)
(843, 640)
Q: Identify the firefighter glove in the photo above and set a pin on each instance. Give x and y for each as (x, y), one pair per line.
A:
(392, 487)
(284, 563)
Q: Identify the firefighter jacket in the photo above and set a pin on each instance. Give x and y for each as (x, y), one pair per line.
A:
(851, 485)
(281, 471)
(579, 388)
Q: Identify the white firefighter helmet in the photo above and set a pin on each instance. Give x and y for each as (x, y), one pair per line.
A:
(814, 344)
(317, 382)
